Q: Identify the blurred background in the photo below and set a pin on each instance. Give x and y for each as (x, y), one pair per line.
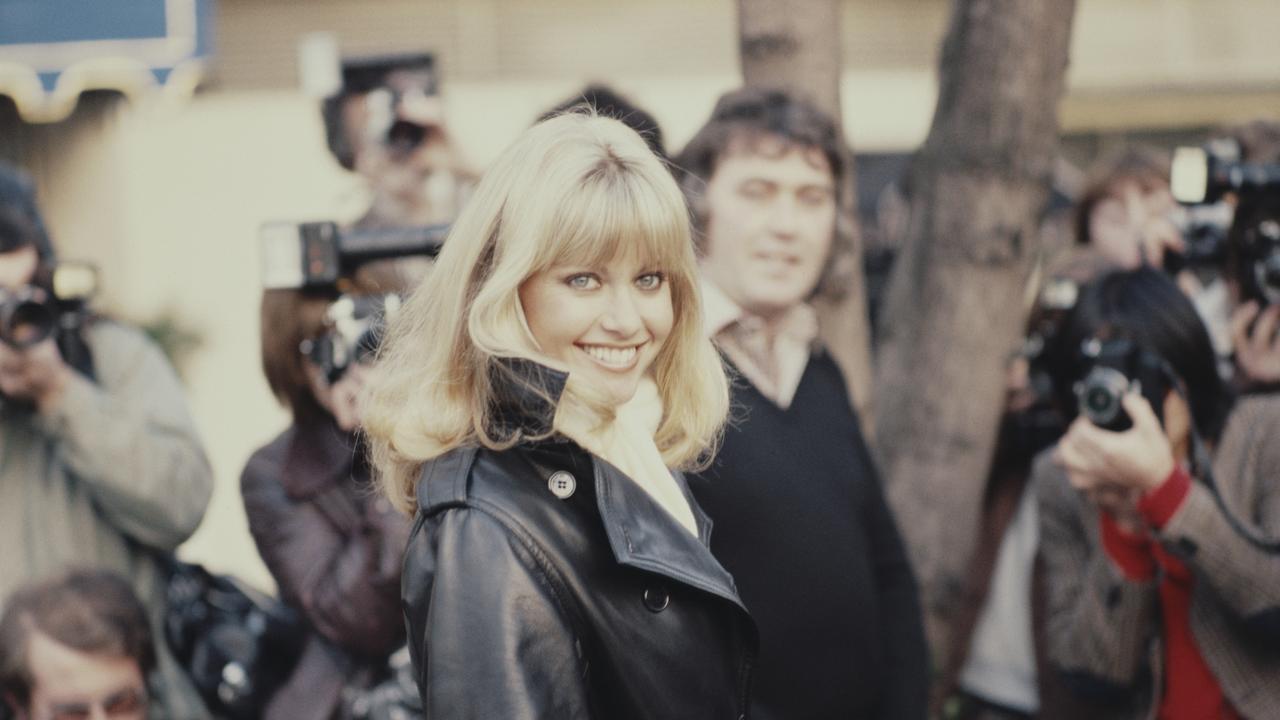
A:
(162, 137)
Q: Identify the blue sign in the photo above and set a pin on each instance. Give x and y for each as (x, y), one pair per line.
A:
(53, 50)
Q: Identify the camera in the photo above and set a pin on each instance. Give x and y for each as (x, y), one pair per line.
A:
(1204, 230)
(317, 254)
(1258, 259)
(356, 324)
(1113, 367)
(1201, 178)
(1203, 175)
(32, 313)
(402, 119)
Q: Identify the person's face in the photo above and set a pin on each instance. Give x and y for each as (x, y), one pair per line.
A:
(72, 685)
(402, 150)
(604, 324)
(1130, 226)
(18, 267)
(771, 217)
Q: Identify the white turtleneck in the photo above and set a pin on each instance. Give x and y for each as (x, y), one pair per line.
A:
(627, 444)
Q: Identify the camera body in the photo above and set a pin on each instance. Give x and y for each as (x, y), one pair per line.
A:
(316, 255)
(1201, 178)
(35, 312)
(1113, 367)
(355, 325)
(321, 256)
(1204, 230)
(1258, 262)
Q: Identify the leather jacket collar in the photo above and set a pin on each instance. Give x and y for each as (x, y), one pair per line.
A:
(641, 533)
(526, 394)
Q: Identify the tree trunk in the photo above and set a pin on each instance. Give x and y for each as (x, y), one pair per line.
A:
(795, 45)
(955, 307)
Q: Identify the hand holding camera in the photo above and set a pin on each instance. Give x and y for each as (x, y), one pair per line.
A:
(1115, 468)
(1257, 347)
(34, 373)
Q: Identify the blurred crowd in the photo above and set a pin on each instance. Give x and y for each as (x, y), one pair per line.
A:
(1126, 561)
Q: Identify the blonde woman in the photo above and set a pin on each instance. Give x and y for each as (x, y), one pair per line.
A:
(529, 402)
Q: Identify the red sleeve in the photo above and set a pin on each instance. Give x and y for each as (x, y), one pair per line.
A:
(1159, 504)
(1131, 553)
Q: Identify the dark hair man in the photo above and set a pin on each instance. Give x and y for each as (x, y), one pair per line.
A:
(74, 648)
(102, 464)
(801, 521)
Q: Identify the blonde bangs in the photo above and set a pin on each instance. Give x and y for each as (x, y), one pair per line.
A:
(614, 214)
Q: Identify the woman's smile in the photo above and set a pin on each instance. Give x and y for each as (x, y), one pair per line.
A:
(613, 357)
(606, 324)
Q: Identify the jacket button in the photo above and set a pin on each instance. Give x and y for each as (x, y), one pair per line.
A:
(562, 484)
(656, 599)
(1187, 546)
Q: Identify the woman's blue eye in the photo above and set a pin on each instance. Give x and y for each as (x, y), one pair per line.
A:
(650, 281)
(582, 282)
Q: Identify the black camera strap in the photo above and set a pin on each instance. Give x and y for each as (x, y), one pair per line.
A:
(1202, 464)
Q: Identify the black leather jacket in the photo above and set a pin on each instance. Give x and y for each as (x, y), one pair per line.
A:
(526, 600)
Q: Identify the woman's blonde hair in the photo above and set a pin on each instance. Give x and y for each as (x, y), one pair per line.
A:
(575, 189)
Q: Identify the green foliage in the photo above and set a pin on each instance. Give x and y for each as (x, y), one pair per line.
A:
(176, 339)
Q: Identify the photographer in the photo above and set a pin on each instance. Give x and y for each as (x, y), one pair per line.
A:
(1125, 213)
(1158, 603)
(386, 124)
(333, 548)
(1253, 241)
(1256, 319)
(101, 460)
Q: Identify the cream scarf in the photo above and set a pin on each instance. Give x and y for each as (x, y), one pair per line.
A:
(627, 444)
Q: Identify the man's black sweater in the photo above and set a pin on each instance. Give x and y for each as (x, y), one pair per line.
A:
(801, 522)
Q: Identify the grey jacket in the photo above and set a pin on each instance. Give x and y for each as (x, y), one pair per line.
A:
(112, 474)
(1103, 629)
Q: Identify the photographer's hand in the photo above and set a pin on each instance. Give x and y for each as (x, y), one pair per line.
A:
(1139, 458)
(36, 374)
(1158, 234)
(341, 398)
(1256, 344)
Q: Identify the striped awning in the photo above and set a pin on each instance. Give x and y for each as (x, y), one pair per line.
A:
(53, 50)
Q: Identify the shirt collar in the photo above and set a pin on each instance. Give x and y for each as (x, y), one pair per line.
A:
(720, 312)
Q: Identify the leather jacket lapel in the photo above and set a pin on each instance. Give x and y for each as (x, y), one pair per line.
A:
(645, 536)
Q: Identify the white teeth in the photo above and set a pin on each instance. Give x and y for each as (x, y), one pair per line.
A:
(611, 356)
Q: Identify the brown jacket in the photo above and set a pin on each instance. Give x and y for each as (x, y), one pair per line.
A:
(334, 548)
(1103, 629)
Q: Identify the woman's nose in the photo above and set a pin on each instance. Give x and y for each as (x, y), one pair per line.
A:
(622, 315)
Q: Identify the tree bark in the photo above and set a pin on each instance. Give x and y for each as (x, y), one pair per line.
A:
(955, 307)
(795, 44)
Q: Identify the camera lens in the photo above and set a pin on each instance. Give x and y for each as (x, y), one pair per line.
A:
(403, 137)
(1100, 396)
(1100, 402)
(28, 323)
